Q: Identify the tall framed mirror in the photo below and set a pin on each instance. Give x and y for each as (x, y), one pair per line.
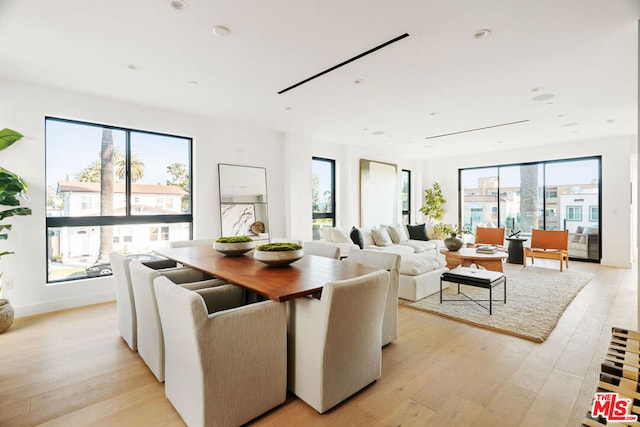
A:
(379, 193)
(243, 201)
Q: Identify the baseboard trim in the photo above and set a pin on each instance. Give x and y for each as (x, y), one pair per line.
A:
(63, 304)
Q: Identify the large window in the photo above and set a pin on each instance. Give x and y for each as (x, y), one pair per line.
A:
(552, 195)
(323, 191)
(112, 189)
(406, 196)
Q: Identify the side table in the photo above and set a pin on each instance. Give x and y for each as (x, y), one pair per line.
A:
(516, 251)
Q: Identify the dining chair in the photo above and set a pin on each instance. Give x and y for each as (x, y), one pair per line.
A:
(334, 343)
(225, 362)
(321, 249)
(149, 331)
(391, 263)
(186, 243)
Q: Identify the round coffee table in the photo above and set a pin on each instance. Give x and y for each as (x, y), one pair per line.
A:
(467, 256)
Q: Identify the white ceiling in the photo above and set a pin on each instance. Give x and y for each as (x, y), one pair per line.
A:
(439, 80)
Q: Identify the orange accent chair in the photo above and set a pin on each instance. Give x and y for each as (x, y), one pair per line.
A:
(550, 244)
(490, 236)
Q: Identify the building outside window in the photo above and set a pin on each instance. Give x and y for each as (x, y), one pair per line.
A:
(323, 194)
(594, 214)
(105, 197)
(574, 213)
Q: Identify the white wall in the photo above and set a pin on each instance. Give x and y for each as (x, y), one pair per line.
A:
(617, 232)
(24, 108)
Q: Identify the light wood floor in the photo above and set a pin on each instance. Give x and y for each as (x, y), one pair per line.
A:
(71, 368)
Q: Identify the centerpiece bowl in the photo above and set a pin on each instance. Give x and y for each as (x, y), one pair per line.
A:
(234, 245)
(278, 254)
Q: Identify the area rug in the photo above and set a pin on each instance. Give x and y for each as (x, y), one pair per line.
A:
(536, 299)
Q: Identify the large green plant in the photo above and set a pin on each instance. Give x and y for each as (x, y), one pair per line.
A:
(433, 201)
(13, 189)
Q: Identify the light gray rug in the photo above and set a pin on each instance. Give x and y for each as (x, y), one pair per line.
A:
(536, 299)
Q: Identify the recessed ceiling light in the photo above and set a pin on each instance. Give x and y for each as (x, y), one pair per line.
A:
(548, 103)
(611, 121)
(178, 4)
(536, 89)
(133, 67)
(221, 30)
(543, 97)
(499, 142)
(358, 81)
(480, 34)
(288, 108)
(377, 132)
(194, 82)
(560, 116)
(432, 114)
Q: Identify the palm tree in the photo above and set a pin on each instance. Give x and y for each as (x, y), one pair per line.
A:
(137, 167)
(528, 197)
(89, 174)
(106, 193)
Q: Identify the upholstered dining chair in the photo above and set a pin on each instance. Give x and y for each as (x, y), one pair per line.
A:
(196, 242)
(150, 338)
(321, 249)
(391, 263)
(124, 295)
(225, 363)
(334, 343)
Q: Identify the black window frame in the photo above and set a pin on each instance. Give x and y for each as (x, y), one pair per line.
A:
(407, 212)
(332, 214)
(128, 218)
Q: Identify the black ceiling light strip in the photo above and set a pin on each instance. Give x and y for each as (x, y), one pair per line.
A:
(473, 130)
(387, 43)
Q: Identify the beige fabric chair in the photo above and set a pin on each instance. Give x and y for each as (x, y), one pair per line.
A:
(197, 242)
(334, 343)
(150, 339)
(124, 299)
(224, 368)
(391, 263)
(320, 249)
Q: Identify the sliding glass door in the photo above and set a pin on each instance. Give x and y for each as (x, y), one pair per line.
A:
(553, 195)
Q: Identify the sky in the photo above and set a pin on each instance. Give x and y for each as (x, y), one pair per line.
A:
(70, 148)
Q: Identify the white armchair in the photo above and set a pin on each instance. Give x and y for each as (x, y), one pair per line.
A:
(124, 299)
(391, 263)
(224, 368)
(334, 344)
(321, 249)
(150, 339)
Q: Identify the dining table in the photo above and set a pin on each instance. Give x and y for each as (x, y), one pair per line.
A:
(303, 277)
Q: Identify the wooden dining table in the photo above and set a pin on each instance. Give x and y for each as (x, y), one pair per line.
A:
(303, 277)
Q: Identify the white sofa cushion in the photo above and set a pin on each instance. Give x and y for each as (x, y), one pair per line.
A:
(397, 233)
(381, 236)
(419, 245)
(340, 236)
(415, 264)
(367, 237)
(326, 234)
(396, 249)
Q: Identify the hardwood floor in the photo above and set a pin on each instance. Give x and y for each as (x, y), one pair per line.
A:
(71, 368)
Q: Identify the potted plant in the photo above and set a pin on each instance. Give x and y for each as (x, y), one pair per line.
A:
(433, 201)
(12, 189)
(278, 254)
(234, 245)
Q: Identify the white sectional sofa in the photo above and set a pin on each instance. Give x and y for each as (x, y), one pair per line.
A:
(421, 265)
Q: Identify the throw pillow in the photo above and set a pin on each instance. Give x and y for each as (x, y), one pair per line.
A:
(356, 237)
(339, 236)
(325, 232)
(397, 233)
(417, 232)
(381, 236)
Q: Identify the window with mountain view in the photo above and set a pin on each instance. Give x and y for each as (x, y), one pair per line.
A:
(112, 189)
